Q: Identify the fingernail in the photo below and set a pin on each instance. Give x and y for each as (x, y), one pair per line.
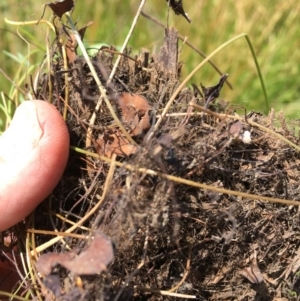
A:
(23, 134)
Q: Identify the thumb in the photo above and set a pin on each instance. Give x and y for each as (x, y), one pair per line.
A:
(33, 155)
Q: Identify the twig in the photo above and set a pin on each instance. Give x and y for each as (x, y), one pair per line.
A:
(63, 50)
(189, 182)
(87, 216)
(29, 23)
(137, 15)
(164, 293)
(187, 269)
(56, 233)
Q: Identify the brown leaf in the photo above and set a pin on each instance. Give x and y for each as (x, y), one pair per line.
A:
(212, 93)
(209, 206)
(135, 112)
(253, 273)
(61, 7)
(114, 143)
(235, 129)
(220, 274)
(92, 260)
(47, 262)
(71, 45)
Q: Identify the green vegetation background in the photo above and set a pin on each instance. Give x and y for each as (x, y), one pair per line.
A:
(272, 25)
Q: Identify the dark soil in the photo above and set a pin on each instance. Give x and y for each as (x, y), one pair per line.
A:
(170, 237)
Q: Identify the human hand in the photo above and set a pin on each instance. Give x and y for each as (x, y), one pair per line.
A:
(33, 154)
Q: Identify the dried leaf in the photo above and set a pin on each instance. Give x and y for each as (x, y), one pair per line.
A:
(71, 45)
(211, 93)
(178, 9)
(293, 266)
(92, 260)
(236, 129)
(47, 262)
(114, 143)
(209, 206)
(135, 112)
(252, 273)
(220, 274)
(61, 7)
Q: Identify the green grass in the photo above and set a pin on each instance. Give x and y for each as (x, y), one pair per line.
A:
(272, 25)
